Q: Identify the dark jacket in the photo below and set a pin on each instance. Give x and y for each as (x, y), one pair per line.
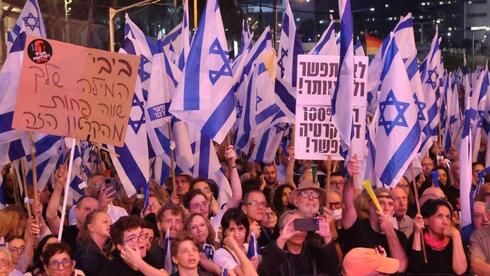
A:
(89, 258)
(314, 259)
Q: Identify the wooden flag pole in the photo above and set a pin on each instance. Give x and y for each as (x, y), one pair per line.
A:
(327, 184)
(67, 186)
(35, 188)
(24, 185)
(195, 15)
(17, 183)
(417, 205)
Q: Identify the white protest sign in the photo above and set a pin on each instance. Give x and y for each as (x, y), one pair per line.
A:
(316, 137)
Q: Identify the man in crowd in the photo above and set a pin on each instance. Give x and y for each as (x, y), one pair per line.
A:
(337, 181)
(480, 251)
(269, 173)
(170, 218)
(84, 207)
(480, 215)
(375, 232)
(254, 204)
(405, 223)
(293, 253)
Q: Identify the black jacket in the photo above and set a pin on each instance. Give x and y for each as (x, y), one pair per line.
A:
(314, 259)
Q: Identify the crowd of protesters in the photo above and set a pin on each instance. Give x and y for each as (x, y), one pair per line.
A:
(278, 220)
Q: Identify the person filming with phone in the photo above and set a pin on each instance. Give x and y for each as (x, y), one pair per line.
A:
(294, 253)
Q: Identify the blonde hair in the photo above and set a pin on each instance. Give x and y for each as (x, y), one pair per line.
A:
(10, 218)
(7, 253)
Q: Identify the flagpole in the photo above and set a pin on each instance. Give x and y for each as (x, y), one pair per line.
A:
(327, 185)
(172, 161)
(34, 173)
(417, 205)
(195, 15)
(112, 14)
(16, 187)
(67, 185)
(24, 185)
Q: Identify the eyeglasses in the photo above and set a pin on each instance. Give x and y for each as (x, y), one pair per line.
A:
(64, 263)
(308, 193)
(136, 238)
(335, 205)
(254, 203)
(18, 250)
(204, 204)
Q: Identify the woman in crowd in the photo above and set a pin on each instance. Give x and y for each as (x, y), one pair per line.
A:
(91, 254)
(201, 231)
(58, 261)
(280, 201)
(232, 256)
(7, 267)
(445, 252)
(13, 220)
(208, 187)
(37, 267)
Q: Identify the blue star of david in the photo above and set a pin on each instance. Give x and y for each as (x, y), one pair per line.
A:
(225, 69)
(284, 53)
(432, 80)
(141, 70)
(399, 119)
(239, 110)
(136, 124)
(420, 106)
(31, 21)
(279, 128)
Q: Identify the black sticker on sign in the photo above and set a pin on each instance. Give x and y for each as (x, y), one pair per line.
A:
(40, 51)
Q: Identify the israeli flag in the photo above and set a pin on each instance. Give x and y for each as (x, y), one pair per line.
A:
(207, 165)
(289, 49)
(465, 160)
(131, 160)
(254, 106)
(359, 51)
(172, 43)
(344, 90)
(398, 133)
(477, 105)
(186, 35)
(326, 45)
(454, 115)
(430, 84)
(168, 265)
(253, 247)
(267, 143)
(29, 22)
(205, 97)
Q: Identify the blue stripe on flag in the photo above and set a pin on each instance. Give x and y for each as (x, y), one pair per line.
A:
(221, 114)
(400, 156)
(288, 100)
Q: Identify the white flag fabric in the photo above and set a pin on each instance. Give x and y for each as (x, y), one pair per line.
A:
(344, 90)
(205, 97)
(397, 137)
(289, 49)
(131, 160)
(30, 22)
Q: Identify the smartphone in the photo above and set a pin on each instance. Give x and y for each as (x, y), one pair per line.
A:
(307, 224)
(110, 183)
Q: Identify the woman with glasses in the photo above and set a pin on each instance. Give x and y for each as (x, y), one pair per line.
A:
(201, 231)
(17, 247)
(210, 190)
(37, 267)
(129, 257)
(58, 261)
(91, 254)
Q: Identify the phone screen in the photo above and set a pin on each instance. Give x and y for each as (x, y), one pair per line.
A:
(308, 224)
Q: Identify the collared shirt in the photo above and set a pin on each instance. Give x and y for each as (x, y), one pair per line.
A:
(406, 225)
